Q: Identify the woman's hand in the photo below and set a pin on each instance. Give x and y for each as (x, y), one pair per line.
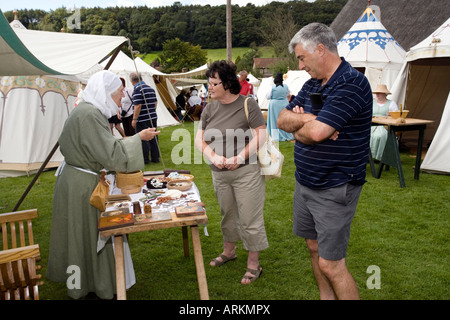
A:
(218, 161)
(148, 134)
(234, 162)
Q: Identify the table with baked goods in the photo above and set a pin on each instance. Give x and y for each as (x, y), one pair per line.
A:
(391, 153)
(166, 212)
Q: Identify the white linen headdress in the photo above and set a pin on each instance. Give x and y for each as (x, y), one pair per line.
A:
(98, 91)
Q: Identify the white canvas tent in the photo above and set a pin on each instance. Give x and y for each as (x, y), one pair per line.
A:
(295, 79)
(370, 47)
(423, 87)
(33, 110)
(16, 58)
(40, 73)
(69, 53)
(124, 65)
(166, 83)
(254, 81)
(163, 83)
(437, 159)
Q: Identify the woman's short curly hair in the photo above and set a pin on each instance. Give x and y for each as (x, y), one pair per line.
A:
(226, 71)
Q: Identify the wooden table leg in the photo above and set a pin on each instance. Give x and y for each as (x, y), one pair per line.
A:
(184, 232)
(120, 268)
(200, 267)
(419, 153)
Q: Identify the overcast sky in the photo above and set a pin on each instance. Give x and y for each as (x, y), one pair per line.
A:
(47, 5)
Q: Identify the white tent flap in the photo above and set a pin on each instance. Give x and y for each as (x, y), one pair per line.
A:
(437, 158)
(68, 53)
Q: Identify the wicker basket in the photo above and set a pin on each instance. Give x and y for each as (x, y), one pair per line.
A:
(131, 189)
(132, 179)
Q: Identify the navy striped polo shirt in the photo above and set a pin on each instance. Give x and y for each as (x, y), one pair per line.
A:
(144, 95)
(347, 107)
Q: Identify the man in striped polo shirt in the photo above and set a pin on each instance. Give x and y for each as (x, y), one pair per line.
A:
(330, 119)
(144, 116)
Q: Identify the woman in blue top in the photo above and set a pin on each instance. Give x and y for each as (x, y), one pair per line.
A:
(278, 101)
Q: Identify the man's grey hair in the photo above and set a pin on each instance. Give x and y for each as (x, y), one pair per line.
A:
(313, 34)
(135, 77)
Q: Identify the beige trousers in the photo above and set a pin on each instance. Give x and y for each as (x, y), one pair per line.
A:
(241, 195)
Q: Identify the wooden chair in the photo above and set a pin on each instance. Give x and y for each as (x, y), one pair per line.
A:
(196, 112)
(193, 112)
(18, 278)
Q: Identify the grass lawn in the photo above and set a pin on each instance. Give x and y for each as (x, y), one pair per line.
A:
(402, 231)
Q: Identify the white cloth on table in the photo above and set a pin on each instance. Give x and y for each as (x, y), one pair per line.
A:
(130, 277)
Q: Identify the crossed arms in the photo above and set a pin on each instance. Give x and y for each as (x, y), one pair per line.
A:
(305, 127)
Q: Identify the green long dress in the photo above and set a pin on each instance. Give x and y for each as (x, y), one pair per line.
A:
(86, 142)
(378, 134)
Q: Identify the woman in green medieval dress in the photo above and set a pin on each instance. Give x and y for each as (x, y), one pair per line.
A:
(88, 147)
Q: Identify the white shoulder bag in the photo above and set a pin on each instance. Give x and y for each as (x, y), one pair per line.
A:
(269, 156)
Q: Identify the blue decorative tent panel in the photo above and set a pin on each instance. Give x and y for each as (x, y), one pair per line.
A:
(369, 41)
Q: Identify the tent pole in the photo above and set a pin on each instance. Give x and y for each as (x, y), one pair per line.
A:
(113, 57)
(44, 164)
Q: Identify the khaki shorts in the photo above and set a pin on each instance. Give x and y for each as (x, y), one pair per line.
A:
(241, 195)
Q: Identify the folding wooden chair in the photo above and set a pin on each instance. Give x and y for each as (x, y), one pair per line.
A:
(18, 278)
(187, 112)
(196, 112)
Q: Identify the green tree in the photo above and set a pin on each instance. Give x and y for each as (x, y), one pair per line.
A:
(278, 29)
(55, 20)
(246, 62)
(203, 25)
(93, 24)
(29, 18)
(177, 54)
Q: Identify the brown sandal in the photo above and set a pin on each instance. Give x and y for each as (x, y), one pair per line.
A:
(256, 274)
(225, 259)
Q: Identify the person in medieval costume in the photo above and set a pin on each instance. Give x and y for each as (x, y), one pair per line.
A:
(381, 108)
(88, 147)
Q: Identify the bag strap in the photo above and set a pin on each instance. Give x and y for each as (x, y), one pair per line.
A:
(246, 109)
(103, 179)
(246, 114)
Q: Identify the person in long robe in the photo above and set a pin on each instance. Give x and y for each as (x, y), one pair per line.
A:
(381, 108)
(278, 101)
(88, 147)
